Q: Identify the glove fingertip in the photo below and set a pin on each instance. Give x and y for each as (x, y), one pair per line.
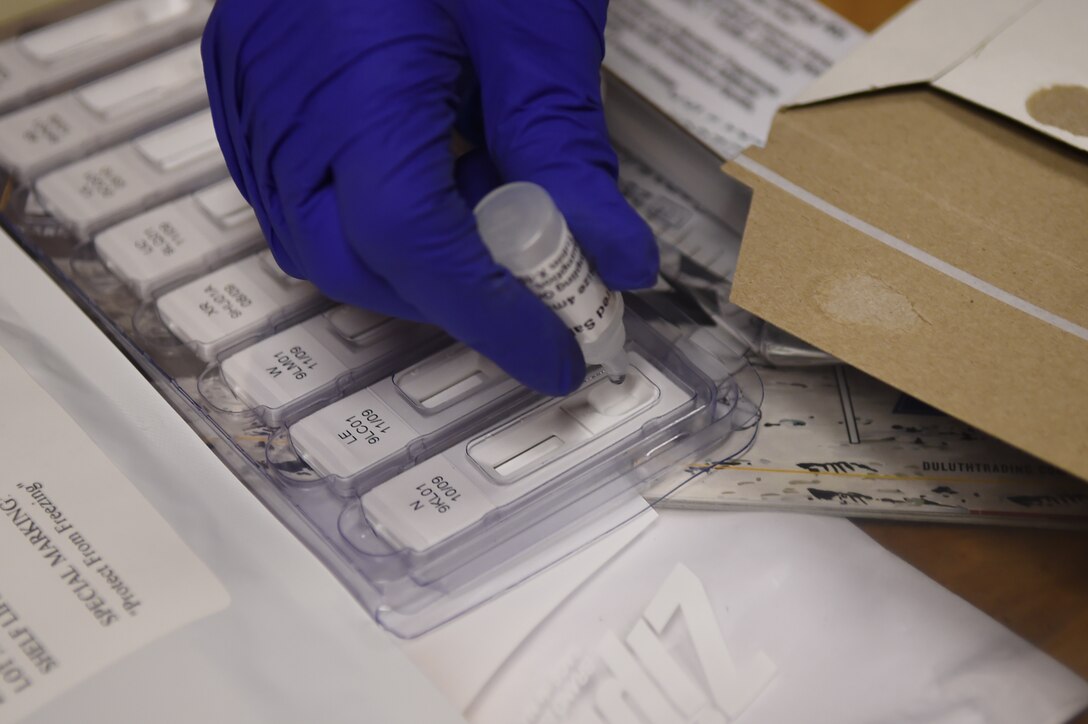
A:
(632, 260)
(616, 239)
(476, 176)
(555, 380)
(540, 352)
(570, 373)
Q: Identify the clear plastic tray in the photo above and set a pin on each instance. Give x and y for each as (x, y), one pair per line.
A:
(464, 420)
(88, 45)
(311, 364)
(467, 482)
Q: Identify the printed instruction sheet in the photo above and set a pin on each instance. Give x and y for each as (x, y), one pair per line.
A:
(723, 67)
(833, 439)
(89, 571)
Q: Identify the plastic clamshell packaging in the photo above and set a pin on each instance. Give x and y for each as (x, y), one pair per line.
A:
(557, 468)
(307, 364)
(180, 239)
(63, 128)
(448, 494)
(423, 476)
(468, 476)
(43, 61)
(392, 424)
(240, 301)
(109, 186)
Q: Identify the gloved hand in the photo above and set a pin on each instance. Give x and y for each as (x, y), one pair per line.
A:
(335, 118)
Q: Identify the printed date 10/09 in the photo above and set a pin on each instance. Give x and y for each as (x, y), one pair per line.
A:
(438, 493)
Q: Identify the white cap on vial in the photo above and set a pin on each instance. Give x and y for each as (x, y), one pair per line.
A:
(520, 225)
(525, 233)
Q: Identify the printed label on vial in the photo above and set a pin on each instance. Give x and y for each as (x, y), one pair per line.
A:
(571, 288)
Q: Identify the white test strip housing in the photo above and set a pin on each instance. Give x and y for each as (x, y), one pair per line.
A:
(307, 360)
(41, 62)
(180, 239)
(240, 301)
(451, 492)
(124, 180)
(61, 129)
(441, 394)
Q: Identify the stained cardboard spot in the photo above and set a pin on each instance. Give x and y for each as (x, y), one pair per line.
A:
(866, 300)
(1062, 106)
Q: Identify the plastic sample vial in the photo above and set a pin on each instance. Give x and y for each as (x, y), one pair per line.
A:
(525, 233)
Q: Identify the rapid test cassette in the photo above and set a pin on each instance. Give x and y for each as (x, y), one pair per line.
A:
(450, 493)
(239, 302)
(61, 129)
(105, 188)
(42, 62)
(309, 364)
(450, 452)
(181, 239)
(394, 423)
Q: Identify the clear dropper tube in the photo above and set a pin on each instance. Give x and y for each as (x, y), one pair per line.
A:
(525, 233)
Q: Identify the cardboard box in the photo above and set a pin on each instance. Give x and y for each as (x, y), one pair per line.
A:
(923, 215)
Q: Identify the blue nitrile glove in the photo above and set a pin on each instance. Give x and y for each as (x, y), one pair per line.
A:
(335, 117)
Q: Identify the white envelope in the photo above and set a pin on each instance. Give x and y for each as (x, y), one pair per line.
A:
(995, 53)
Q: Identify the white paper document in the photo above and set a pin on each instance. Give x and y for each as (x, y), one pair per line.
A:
(90, 572)
(1024, 59)
(494, 631)
(762, 619)
(721, 68)
(835, 440)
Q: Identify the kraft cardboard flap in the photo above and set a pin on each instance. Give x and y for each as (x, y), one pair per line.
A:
(982, 194)
(935, 246)
(925, 238)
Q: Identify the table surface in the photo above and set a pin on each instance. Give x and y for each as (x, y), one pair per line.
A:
(17, 16)
(1033, 581)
